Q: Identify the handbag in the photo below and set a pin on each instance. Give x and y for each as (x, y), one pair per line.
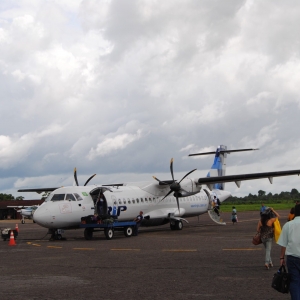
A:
(256, 239)
(281, 281)
(277, 229)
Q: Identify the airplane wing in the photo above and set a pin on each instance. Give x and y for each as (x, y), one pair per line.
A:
(209, 181)
(20, 206)
(40, 190)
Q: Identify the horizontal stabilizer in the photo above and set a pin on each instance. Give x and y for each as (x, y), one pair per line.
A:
(223, 151)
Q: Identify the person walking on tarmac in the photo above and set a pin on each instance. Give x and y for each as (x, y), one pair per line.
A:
(139, 218)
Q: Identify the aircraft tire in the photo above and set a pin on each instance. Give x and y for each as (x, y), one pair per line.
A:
(23, 221)
(179, 225)
(128, 231)
(88, 233)
(109, 233)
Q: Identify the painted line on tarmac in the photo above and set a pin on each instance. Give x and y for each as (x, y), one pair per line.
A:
(249, 220)
(125, 249)
(242, 249)
(179, 250)
(38, 245)
(56, 247)
(89, 249)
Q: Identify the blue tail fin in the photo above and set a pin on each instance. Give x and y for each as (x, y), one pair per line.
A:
(219, 166)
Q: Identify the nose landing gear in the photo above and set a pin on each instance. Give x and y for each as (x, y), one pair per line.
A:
(56, 234)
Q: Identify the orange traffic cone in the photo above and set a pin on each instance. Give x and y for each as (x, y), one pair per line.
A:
(12, 239)
(17, 228)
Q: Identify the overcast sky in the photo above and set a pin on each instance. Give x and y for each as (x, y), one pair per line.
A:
(118, 88)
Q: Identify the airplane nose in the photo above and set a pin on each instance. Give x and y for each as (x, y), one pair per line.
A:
(40, 216)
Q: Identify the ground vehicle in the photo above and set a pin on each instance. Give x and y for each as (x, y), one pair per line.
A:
(109, 228)
(5, 233)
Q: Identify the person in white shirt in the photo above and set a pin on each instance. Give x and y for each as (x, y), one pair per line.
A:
(289, 240)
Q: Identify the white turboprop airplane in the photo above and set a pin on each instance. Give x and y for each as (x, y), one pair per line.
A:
(162, 202)
(25, 211)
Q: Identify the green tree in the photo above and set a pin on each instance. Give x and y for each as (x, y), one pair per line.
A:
(20, 198)
(294, 192)
(6, 197)
(261, 193)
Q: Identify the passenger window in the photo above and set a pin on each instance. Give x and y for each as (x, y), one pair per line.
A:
(70, 197)
(137, 200)
(142, 200)
(124, 201)
(150, 200)
(78, 197)
(133, 201)
(120, 202)
(58, 197)
(129, 202)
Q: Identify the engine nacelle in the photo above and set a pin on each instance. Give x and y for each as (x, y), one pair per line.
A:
(188, 188)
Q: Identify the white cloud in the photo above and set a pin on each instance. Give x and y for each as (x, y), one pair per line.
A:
(15, 149)
(118, 142)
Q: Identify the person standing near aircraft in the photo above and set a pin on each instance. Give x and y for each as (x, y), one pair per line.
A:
(265, 227)
(100, 204)
(291, 215)
(234, 218)
(216, 206)
(289, 240)
(139, 218)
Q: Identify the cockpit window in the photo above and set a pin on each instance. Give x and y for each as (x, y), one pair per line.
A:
(58, 197)
(70, 197)
(78, 197)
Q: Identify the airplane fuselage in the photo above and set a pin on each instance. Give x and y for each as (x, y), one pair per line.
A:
(65, 206)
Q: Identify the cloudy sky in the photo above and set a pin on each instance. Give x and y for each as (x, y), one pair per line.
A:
(118, 88)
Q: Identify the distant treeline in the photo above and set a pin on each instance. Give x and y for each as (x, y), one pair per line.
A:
(7, 197)
(263, 197)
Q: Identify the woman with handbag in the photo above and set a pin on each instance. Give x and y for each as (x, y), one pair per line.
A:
(266, 230)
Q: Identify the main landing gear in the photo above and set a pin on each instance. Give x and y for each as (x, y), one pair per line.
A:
(176, 225)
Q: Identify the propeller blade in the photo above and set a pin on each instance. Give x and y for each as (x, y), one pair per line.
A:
(187, 175)
(89, 179)
(75, 177)
(171, 168)
(160, 180)
(177, 203)
(166, 195)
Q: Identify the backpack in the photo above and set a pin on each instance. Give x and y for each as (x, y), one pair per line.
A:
(218, 201)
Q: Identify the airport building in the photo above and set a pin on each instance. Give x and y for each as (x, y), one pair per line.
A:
(11, 212)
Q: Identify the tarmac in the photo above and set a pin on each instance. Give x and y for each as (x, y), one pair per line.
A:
(202, 261)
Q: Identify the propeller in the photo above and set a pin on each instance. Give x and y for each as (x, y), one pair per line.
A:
(75, 177)
(174, 186)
